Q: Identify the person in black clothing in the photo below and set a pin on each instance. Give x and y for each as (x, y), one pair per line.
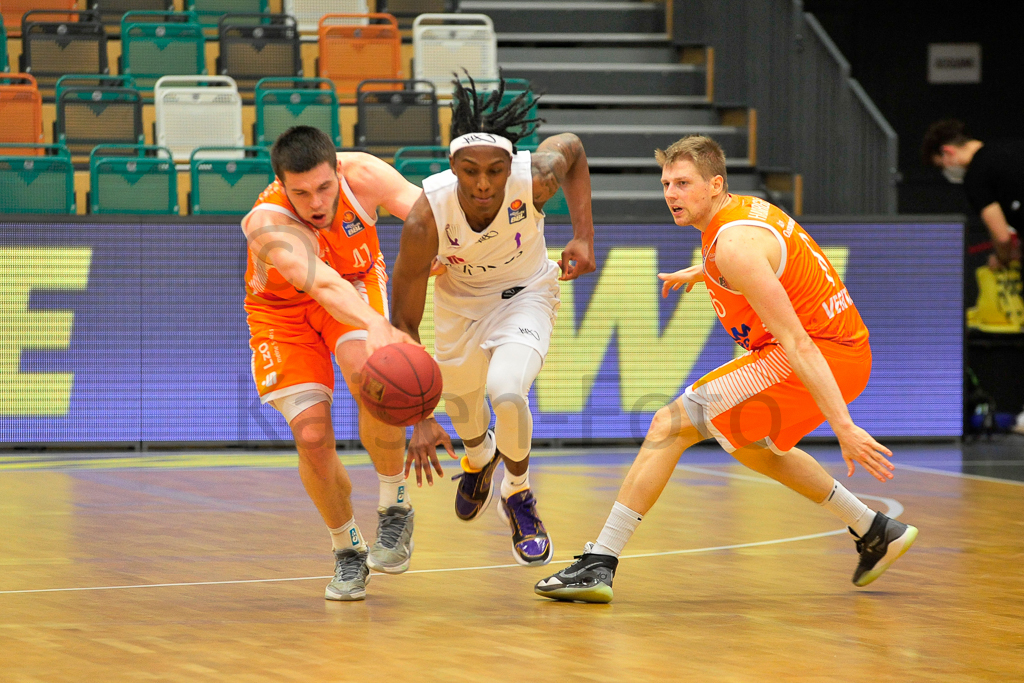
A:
(993, 178)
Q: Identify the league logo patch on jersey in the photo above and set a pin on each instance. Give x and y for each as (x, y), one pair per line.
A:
(351, 224)
(516, 211)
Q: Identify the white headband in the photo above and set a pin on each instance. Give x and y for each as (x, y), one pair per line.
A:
(480, 139)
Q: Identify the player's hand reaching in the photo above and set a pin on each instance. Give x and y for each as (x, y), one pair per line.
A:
(577, 259)
(687, 276)
(381, 333)
(859, 446)
(427, 435)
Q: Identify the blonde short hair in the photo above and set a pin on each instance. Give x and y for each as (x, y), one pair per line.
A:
(705, 154)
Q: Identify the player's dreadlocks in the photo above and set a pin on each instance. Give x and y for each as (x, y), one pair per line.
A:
(476, 113)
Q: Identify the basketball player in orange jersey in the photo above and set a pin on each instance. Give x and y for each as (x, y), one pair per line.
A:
(807, 357)
(315, 286)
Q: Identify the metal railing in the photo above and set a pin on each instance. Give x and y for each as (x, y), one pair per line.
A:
(813, 118)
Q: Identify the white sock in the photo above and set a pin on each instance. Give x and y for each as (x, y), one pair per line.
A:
(482, 453)
(393, 491)
(511, 483)
(848, 508)
(621, 524)
(347, 536)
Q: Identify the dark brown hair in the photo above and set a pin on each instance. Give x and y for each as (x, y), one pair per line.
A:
(301, 149)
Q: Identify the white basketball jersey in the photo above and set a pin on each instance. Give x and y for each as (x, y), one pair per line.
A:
(485, 268)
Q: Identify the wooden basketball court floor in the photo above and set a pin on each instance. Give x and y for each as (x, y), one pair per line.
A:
(211, 567)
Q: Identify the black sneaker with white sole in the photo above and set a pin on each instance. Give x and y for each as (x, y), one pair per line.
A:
(588, 579)
(882, 545)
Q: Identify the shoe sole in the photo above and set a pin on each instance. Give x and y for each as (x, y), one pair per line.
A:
(516, 556)
(391, 568)
(599, 595)
(895, 551)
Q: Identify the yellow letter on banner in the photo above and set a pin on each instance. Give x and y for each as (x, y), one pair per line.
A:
(25, 269)
(625, 300)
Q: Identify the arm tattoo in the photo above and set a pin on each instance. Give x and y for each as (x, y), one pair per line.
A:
(551, 162)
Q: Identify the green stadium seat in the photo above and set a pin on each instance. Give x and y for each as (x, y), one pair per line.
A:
(5, 64)
(36, 184)
(228, 186)
(417, 162)
(151, 49)
(145, 183)
(92, 81)
(210, 12)
(285, 102)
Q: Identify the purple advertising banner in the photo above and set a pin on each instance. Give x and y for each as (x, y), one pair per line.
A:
(128, 332)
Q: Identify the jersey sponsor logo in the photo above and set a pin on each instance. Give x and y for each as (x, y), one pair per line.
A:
(486, 236)
(511, 292)
(837, 303)
(529, 332)
(741, 336)
(790, 227)
(270, 380)
(455, 260)
(351, 224)
(759, 209)
(516, 211)
(450, 236)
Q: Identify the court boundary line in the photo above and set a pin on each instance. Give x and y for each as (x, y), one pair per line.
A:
(962, 475)
(894, 510)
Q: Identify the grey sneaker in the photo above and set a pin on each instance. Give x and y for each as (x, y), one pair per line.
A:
(350, 576)
(392, 550)
(882, 545)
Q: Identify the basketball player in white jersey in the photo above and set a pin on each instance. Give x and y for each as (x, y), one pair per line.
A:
(481, 223)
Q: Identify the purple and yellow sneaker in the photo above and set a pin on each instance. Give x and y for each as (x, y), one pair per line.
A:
(475, 490)
(531, 545)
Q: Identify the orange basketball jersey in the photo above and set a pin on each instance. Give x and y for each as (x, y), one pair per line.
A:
(818, 295)
(349, 245)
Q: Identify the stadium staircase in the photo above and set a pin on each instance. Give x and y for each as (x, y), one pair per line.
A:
(610, 74)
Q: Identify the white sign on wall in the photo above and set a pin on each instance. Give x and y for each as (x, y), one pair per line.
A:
(954, 63)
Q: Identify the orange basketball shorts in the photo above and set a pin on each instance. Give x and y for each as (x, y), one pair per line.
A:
(757, 399)
(292, 344)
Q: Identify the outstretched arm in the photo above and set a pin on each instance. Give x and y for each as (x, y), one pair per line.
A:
(376, 183)
(416, 253)
(291, 249)
(561, 162)
(409, 294)
(742, 254)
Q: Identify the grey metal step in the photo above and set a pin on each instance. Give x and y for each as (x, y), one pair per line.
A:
(625, 100)
(679, 116)
(648, 162)
(568, 17)
(649, 54)
(626, 140)
(605, 79)
(576, 38)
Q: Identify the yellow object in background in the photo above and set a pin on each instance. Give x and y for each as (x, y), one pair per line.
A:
(1000, 307)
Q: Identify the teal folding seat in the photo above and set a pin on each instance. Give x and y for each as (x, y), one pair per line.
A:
(151, 48)
(417, 162)
(36, 184)
(144, 183)
(285, 102)
(209, 12)
(228, 186)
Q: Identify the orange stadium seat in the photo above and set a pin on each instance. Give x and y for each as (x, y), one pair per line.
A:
(21, 110)
(13, 9)
(350, 53)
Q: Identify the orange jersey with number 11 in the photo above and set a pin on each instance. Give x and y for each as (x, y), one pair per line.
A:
(820, 299)
(349, 246)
